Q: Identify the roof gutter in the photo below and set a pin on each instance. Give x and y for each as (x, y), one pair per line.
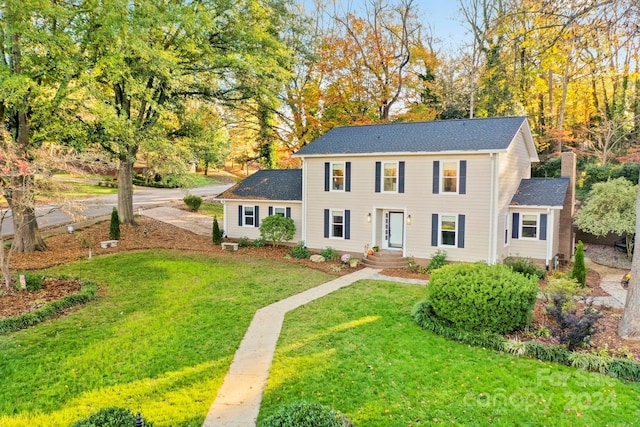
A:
(401, 153)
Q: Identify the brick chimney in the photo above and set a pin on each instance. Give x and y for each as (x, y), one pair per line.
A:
(567, 238)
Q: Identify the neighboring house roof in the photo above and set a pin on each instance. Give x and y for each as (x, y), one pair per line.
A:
(281, 184)
(488, 134)
(541, 192)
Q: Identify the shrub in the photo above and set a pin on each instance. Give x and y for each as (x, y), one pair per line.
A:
(277, 229)
(244, 242)
(525, 266)
(306, 414)
(111, 417)
(329, 253)
(34, 282)
(482, 298)
(192, 202)
(579, 271)
(259, 243)
(216, 233)
(569, 289)
(300, 251)
(439, 259)
(114, 225)
(573, 329)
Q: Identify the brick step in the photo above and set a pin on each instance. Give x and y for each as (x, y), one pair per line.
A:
(385, 259)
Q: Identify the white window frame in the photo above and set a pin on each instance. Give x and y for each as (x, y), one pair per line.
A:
(279, 210)
(245, 216)
(442, 176)
(506, 229)
(332, 224)
(455, 230)
(384, 177)
(343, 167)
(537, 226)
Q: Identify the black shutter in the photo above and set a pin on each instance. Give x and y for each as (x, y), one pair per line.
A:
(288, 214)
(461, 231)
(347, 221)
(401, 177)
(240, 215)
(347, 177)
(543, 226)
(436, 177)
(378, 173)
(270, 210)
(463, 177)
(256, 216)
(515, 225)
(326, 223)
(327, 175)
(434, 229)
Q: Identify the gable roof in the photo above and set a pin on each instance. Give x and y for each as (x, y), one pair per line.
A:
(485, 135)
(541, 192)
(281, 184)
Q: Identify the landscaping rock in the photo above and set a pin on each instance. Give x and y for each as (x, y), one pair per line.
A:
(317, 258)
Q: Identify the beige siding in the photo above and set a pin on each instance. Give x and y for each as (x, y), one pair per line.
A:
(417, 201)
(533, 248)
(235, 231)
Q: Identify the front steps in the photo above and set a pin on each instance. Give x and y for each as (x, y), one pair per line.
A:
(385, 259)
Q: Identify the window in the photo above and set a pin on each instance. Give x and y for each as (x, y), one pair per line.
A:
(390, 177)
(506, 229)
(448, 230)
(449, 177)
(337, 224)
(249, 216)
(337, 176)
(279, 211)
(529, 227)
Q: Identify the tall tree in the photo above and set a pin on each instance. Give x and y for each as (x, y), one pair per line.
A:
(630, 323)
(41, 56)
(152, 55)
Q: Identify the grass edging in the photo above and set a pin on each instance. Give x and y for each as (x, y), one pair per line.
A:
(88, 291)
(615, 367)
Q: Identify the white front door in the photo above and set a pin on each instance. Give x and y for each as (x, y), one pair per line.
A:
(394, 232)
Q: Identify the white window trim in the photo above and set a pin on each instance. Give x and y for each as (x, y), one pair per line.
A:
(455, 238)
(507, 229)
(521, 225)
(383, 176)
(245, 216)
(331, 236)
(442, 162)
(344, 177)
(284, 210)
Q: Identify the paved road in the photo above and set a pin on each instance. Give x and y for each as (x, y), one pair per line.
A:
(143, 197)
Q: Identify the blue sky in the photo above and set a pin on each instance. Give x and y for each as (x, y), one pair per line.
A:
(443, 18)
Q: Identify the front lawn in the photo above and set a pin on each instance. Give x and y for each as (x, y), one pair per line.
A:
(159, 338)
(358, 351)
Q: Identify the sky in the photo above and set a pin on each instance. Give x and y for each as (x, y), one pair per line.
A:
(443, 18)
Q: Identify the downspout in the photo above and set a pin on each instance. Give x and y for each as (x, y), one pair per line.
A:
(550, 226)
(491, 256)
(304, 200)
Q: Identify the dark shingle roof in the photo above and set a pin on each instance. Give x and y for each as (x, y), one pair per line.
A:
(419, 137)
(283, 184)
(541, 192)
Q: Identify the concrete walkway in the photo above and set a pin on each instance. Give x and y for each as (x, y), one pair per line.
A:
(610, 279)
(239, 397)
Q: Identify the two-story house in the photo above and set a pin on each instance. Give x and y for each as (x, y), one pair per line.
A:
(462, 186)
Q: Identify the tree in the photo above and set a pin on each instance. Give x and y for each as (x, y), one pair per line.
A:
(216, 233)
(579, 271)
(630, 323)
(610, 208)
(41, 57)
(114, 225)
(277, 229)
(167, 52)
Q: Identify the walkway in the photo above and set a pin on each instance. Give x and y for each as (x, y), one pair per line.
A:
(610, 283)
(238, 400)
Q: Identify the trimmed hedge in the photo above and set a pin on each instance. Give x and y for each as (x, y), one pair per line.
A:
(112, 417)
(482, 298)
(88, 291)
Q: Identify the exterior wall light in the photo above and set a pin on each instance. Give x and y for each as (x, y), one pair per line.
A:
(369, 217)
(408, 219)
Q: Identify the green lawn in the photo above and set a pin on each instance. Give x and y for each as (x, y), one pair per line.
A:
(212, 209)
(358, 351)
(159, 338)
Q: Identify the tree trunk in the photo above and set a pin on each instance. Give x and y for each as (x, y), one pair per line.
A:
(26, 236)
(125, 190)
(630, 323)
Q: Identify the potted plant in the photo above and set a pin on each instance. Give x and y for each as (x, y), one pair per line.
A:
(353, 262)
